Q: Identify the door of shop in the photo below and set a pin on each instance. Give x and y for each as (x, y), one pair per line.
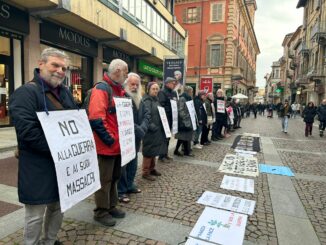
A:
(5, 89)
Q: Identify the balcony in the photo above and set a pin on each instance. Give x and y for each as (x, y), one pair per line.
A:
(237, 73)
(290, 54)
(289, 74)
(319, 32)
(302, 81)
(304, 50)
(293, 64)
(315, 74)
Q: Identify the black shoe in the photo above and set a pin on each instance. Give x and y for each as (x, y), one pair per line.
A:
(214, 139)
(178, 153)
(190, 155)
(116, 213)
(155, 173)
(106, 220)
(57, 242)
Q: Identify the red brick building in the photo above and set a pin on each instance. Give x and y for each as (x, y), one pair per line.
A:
(221, 44)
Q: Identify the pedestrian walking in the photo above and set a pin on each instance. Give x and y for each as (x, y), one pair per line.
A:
(141, 117)
(309, 114)
(154, 141)
(321, 111)
(37, 182)
(103, 119)
(285, 113)
(165, 96)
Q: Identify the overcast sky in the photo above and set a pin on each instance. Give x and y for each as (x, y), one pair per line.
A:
(273, 20)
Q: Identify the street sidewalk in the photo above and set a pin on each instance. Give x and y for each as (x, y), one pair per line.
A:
(8, 139)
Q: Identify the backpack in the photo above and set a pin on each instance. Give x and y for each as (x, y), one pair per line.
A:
(89, 93)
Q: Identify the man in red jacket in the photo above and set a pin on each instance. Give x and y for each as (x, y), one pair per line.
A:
(103, 120)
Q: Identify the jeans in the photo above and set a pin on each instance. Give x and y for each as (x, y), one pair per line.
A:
(197, 134)
(128, 174)
(48, 216)
(285, 123)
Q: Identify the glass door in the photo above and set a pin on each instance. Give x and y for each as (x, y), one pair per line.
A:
(4, 92)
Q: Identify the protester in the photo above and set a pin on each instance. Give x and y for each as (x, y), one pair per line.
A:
(37, 182)
(164, 96)
(321, 111)
(141, 117)
(201, 116)
(285, 113)
(154, 142)
(230, 117)
(185, 128)
(209, 118)
(220, 116)
(239, 114)
(103, 120)
(309, 114)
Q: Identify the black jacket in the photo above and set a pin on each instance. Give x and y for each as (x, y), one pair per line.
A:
(221, 117)
(164, 97)
(200, 111)
(322, 112)
(154, 141)
(309, 114)
(37, 181)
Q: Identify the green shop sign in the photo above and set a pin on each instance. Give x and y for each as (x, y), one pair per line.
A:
(149, 69)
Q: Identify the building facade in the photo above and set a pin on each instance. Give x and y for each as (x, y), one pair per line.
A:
(221, 43)
(92, 32)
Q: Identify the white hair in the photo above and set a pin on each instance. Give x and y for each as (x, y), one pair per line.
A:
(136, 97)
(177, 72)
(53, 52)
(115, 65)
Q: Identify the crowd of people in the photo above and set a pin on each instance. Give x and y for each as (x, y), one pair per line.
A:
(37, 183)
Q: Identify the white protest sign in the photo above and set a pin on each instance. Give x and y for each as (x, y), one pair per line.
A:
(238, 184)
(193, 241)
(174, 108)
(223, 201)
(220, 106)
(72, 147)
(250, 134)
(237, 164)
(164, 121)
(192, 112)
(220, 226)
(126, 128)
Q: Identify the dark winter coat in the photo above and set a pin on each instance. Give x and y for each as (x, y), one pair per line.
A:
(200, 111)
(154, 141)
(185, 129)
(321, 111)
(221, 117)
(285, 111)
(309, 114)
(37, 181)
(164, 97)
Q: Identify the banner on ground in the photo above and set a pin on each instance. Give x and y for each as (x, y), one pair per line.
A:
(237, 164)
(72, 147)
(193, 241)
(192, 112)
(164, 121)
(223, 201)
(220, 226)
(126, 128)
(238, 184)
(220, 104)
(246, 143)
(174, 68)
(206, 84)
(174, 108)
(272, 169)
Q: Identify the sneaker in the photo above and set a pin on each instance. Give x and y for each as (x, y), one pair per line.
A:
(106, 220)
(148, 177)
(197, 146)
(116, 213)
(155, 172)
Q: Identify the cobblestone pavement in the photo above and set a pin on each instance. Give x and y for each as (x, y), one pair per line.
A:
(173, 196)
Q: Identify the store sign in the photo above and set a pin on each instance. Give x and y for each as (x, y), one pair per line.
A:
(13, 18)
(62, 36)
(149, 69)
(174, 68)
(110, 54)
(206, 83)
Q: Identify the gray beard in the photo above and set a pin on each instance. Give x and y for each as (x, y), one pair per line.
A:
(135, 96)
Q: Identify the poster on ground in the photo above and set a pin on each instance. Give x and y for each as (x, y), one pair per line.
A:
(206, 84)
(227, 202)
(246, 143)
(220, 226)
(193, 241)
(164, 121)
(175, 68)
(174, 108)
(192, 112)
(126, 128)
(239, 164)
(238, 184)
(220, 104)
(72, 147)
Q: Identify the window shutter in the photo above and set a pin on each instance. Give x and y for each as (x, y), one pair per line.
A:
(214, 12)
(198, 14)
(219, 10)
(221, 61)
(184, 15)
(208, 55)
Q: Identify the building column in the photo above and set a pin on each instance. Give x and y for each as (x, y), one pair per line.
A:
(97, 65)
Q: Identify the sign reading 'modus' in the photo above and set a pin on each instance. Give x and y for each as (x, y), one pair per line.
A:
(73, 150)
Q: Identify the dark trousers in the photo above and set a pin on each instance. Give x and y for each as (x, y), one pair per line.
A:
(128, 174)
(106, 198)
(322, 125)
(218, 129)
(186, 146)
(204, 135)
(308, 129)
(166, 153)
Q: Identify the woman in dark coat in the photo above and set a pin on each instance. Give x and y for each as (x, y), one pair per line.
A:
(185, 129)
(154, 141)
(309, 114)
